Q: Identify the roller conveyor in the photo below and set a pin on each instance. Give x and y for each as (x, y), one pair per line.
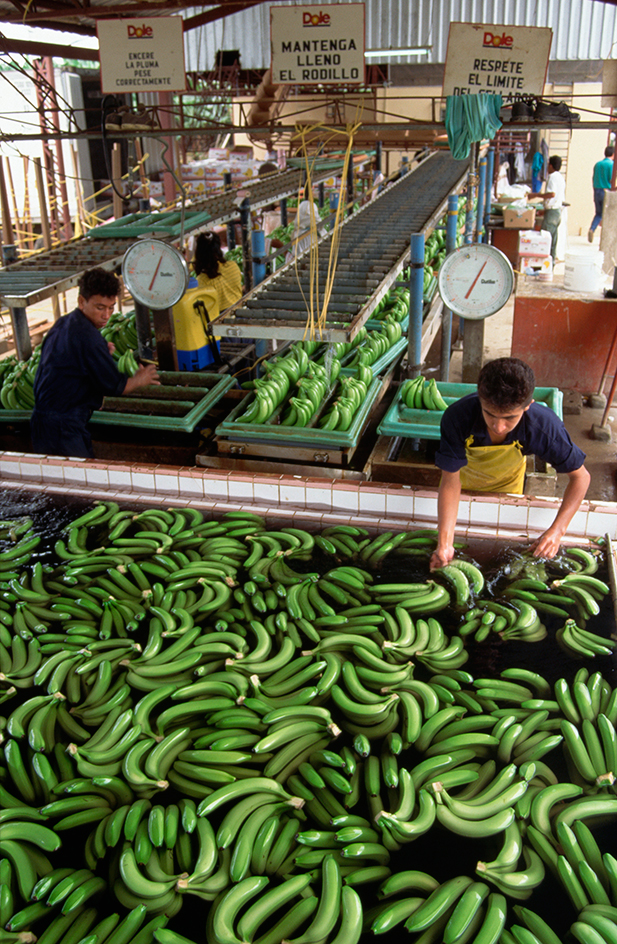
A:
(373, 250)
(46, 273)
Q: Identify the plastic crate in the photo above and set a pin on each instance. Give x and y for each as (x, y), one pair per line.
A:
(401, 420)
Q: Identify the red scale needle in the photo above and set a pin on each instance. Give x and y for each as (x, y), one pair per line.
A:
(156, 272)
(471, 287)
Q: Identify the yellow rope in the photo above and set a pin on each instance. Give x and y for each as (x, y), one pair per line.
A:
(316, 323)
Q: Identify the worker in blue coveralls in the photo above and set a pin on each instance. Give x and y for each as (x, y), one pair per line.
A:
(602, 181)
(485, 437)
(77, 370)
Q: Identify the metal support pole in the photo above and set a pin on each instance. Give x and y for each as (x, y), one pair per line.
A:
(472, 181)
(416, 304)
(446, 315)
(283, 207)
(258, 251)
(481, 192)
(21, 335)
(321, 198)
(144, 331)
(350, 189)
(488, 193)
(378, 151)
(245, 222)
(231, 226)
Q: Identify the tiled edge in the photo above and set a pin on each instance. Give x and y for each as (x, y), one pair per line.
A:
(368, 504)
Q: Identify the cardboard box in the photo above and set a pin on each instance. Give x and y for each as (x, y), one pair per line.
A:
(519, 217)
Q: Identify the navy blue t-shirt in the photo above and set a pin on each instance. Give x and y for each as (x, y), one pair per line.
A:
(76, 369)
(540, 432)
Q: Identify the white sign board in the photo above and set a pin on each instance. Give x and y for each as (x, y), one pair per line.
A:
(145, 55)
(317, 44)
(511, 61)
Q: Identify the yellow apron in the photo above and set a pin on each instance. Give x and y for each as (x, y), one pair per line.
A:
(498, 468)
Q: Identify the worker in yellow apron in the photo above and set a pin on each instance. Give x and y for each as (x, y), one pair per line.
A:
(485, 438)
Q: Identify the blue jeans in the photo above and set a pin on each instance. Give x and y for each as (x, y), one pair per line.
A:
(598, 199)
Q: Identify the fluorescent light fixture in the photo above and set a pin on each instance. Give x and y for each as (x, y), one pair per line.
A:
(390, 53)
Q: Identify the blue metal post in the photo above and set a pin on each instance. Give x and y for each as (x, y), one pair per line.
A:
(258, 251)
(416, 305)
(481, 192)
(446, 316)
(488, 193)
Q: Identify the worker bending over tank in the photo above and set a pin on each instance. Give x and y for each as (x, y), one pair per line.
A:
(213, 272)
(76, 371)
(485, 437)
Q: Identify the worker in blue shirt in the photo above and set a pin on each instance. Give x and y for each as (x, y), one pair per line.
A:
(77, 370)
(485, 437)
(602, 181)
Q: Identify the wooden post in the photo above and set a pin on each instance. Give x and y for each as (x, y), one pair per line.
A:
(7, 226)
(29, 235)
(18, 234)
(145, 183)
(45, 230)
(116, 176)
(40, 188)
(81, 213)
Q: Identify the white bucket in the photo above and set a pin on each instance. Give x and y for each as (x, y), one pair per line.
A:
(583, 270)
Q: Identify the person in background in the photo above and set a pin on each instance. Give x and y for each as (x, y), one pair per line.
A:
(77, 370)
(602, 181)
(553, 198)
(308, 212)
(485, 437)
(213, 272)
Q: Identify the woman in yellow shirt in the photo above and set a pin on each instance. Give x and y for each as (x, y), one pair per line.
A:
(214, 273)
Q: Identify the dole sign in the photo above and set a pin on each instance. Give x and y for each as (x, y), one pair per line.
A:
(317, 45)
(510, 61)
(145, 55)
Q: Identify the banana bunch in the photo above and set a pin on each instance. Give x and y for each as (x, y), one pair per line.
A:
(377, 343)
(121, 331)
(272, 389)
(127, 364)
(422, 394)
(394, 304)
(458, 909)
(351, 394)
(595, 925)
(17, 381)
(312, 391)
(337, 350)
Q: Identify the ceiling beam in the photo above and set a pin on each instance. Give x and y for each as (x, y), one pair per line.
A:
(217, 13)
(25, 48)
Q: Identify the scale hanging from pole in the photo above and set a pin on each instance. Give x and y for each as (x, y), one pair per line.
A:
(155, 273)
(475, 281)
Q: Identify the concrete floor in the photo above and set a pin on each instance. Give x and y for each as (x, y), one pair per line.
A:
(601, 456)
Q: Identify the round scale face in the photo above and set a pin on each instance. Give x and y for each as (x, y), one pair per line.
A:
(475, 281)
(155, 273)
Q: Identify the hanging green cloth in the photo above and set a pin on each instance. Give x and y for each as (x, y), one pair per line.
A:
(471, 118)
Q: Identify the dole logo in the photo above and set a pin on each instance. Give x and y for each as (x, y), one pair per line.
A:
(139, 32)
(494, 41)
(315, 19)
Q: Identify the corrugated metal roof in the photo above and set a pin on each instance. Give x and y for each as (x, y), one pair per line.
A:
(582, 29)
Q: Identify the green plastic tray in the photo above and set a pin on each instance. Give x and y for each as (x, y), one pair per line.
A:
(311, 435)
(400, 420)
(138, 224)
(214, 385)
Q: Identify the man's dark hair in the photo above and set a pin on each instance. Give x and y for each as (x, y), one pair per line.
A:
(208, 254)
(555, 161)
(609, 151)
(99, 282)
(507, 382)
